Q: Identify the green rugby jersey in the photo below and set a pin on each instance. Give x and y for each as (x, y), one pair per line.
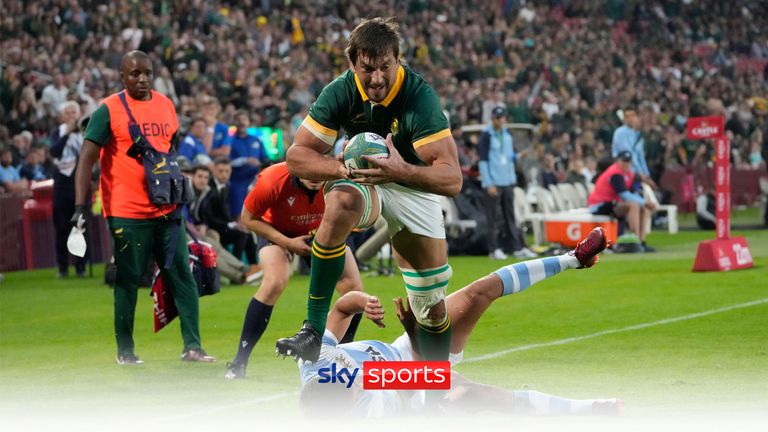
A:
(411, 112)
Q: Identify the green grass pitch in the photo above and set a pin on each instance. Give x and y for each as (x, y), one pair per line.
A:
(57, 351)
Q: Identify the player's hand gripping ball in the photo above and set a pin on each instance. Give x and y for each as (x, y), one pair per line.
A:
(364, 144)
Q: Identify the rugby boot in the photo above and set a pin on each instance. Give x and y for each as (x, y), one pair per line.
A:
(305, 345)
(588, 249)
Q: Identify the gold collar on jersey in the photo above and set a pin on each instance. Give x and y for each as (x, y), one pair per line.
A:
(392, 92)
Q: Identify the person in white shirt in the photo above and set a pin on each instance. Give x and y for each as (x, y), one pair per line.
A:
(54, 94)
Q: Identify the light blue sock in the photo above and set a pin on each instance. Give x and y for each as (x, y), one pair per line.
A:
(518, 277)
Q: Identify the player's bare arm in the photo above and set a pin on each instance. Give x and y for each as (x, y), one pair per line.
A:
(307, 158)
(441, 175)
(297, 245)
(347, 306)
(89, 154)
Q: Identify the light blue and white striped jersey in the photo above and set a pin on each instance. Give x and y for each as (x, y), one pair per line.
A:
(372, 403)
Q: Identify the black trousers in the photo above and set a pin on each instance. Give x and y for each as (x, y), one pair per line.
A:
(63, 208)
(500, 214)
(241, 242)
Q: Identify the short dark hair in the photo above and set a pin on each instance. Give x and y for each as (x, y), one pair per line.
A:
(222, 160)
(195, 120)
(374, 38)
(197, 168)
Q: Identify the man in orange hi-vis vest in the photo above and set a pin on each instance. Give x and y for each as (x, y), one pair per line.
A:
(141, 230)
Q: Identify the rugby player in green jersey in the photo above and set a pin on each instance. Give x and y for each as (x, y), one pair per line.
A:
(378, 94)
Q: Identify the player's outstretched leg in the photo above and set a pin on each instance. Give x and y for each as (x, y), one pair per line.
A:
(347, 205)
(519, 276)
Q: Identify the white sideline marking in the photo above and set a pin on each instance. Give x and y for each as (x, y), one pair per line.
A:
(612, 331)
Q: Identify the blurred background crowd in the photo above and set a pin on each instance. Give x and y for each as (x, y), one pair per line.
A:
(564, 67)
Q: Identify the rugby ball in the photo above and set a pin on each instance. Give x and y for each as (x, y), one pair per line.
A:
(364, 144)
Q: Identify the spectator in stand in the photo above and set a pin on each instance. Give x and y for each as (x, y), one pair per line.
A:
(548, 176)
(10, 179)
(216, 215)
(497, 157)
(616, 194)
(218, 129)
(589, 170)
(54, 94)
(230, 266)
(192, 147)
(164, 84)
(575, 172)
(66, 142)
(32, 167)
(22, 143)
(248, 155)
(705, 209)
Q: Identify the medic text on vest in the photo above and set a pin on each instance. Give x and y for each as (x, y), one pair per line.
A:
(157, 129)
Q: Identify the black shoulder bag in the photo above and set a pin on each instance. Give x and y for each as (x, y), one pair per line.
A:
(166, 184)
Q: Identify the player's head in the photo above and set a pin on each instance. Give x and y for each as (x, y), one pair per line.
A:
(200, 177)
(373, 52)
(312, 184)
(222, 169)
(137, 74)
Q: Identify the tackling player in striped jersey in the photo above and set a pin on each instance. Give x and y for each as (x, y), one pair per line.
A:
(465, 307)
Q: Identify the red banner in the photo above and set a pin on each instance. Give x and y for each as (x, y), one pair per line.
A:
(705, 127)
(723, 255)
(722, 187)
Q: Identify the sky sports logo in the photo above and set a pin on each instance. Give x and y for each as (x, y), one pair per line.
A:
(392, 375)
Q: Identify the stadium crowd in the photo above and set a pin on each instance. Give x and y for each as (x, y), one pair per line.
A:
(564, 66)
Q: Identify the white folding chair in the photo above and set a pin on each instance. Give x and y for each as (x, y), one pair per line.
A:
(524, 213)
(545, 201)
(452, 220)
(669, 209)
(582, 193)
(571, 198)
(559, 201)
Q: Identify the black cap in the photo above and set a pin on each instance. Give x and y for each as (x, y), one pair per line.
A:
(625, 155)
(498, 112)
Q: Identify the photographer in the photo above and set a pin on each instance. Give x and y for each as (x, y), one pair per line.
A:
(66, 141)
